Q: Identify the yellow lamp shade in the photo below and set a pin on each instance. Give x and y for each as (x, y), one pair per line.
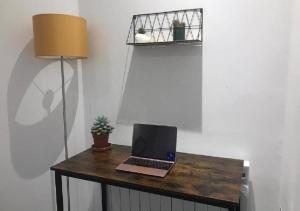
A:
(57, 35)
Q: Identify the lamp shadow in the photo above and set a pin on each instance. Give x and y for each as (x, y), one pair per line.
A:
(164, 86)
(36, 136)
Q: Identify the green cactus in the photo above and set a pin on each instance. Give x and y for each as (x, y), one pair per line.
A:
(141, 30)
(101, 126)
(177, 23)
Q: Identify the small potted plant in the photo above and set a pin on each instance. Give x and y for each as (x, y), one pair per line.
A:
(141, 36)
(178, 30)
(100, 131)
(141, 31)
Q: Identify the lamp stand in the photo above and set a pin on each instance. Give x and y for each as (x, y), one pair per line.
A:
(65, 125)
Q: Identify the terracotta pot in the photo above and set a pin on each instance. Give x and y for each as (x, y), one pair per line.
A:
(100, 141)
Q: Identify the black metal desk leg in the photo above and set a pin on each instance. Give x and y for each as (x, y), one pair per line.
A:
(104, 197)
(59, 193)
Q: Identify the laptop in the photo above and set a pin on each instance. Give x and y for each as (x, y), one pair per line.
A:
(153, 150)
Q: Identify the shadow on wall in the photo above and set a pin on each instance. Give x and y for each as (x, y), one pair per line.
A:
(164, 86)
(35, 111)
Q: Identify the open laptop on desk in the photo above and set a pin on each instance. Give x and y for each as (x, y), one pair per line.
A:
(153, 150)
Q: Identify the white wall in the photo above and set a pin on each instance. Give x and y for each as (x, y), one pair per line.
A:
(30, 110)
(243, 95)
(244, 80)
(290, 173)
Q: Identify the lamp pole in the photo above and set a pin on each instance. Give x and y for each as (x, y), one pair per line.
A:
(65, 124)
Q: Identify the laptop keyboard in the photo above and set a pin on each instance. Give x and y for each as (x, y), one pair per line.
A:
(148, 163)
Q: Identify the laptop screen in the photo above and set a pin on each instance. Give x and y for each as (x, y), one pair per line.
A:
(153, 141)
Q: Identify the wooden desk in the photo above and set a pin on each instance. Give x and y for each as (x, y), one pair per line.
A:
(204, 179)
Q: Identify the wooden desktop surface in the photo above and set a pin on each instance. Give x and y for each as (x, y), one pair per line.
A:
(201, 178)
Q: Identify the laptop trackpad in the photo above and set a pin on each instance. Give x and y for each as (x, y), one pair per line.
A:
(142, 170)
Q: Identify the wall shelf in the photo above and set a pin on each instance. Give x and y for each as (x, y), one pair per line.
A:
(159, 28)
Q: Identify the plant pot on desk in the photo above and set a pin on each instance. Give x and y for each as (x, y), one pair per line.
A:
(101, 143)
(100, 131)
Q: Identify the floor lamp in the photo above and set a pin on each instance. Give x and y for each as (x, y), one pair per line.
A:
(58, 36)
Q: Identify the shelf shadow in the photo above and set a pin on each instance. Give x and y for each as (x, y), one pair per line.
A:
(164, 86)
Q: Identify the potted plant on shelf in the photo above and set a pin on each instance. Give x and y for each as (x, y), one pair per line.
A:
(141, 36)
(100, 131)
(178, 30)
(141, 31)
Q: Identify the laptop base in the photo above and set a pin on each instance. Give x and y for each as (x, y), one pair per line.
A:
(142, 170)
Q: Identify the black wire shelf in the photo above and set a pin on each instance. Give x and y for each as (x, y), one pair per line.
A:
(167, 28)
